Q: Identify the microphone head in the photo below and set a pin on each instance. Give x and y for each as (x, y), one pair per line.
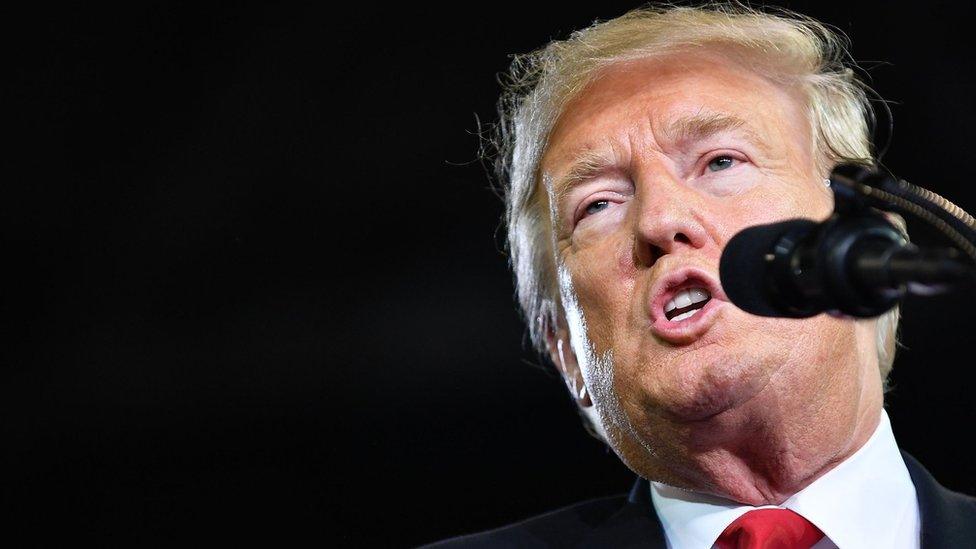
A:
(747, 267)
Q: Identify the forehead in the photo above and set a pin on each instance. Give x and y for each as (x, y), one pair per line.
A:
(646, 97)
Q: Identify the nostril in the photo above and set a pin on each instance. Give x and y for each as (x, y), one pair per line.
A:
(647, 255)
(656, 253)
(682, 238)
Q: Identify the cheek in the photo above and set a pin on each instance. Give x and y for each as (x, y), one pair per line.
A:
(828, 348)
(600, 258)
(603, 282)
(772, 203)
(598, 230)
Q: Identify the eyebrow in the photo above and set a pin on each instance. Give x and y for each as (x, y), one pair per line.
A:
(586, 165)
(702, 125)
(683, 129)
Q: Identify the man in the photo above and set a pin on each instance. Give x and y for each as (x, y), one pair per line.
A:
(632, 152)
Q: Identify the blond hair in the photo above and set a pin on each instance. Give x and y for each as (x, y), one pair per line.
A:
(783, 46)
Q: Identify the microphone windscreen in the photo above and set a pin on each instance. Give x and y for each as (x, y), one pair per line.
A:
(745, 270)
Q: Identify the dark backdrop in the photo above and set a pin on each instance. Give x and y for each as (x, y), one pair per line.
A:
(256, 287)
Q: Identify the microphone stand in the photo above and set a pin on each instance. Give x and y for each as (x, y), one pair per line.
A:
(858, 189)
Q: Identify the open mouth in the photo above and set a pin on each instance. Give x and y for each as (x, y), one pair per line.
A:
(686, 303)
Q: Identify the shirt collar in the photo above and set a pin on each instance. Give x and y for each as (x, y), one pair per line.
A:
(854, 504)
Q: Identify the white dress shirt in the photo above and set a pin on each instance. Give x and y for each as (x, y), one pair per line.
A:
(866, 501)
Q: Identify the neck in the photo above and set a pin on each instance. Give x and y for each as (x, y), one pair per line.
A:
(770, 456)
(768, 473)
(785, 439)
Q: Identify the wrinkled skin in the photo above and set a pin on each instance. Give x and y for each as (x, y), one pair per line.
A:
(748, 408)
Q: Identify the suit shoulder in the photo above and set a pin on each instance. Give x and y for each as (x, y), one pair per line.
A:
(963, 504)
(948, 517)
(561, 527)
(931, 489)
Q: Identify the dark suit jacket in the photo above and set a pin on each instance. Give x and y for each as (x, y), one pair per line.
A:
(948, 521)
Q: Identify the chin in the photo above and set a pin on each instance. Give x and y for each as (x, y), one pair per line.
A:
(698, 384)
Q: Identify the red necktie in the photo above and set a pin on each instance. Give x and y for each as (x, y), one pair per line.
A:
(769, 529)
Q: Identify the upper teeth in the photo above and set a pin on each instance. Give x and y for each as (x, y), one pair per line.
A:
(686, 298)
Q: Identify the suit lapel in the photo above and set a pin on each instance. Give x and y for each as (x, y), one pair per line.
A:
(948, 518)
(635, 525)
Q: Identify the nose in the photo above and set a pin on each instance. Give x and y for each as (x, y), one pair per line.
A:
(668, 220)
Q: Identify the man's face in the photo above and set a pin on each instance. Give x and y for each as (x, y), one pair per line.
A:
(649, 172)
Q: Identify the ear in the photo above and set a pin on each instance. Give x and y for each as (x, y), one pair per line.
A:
(562, 355)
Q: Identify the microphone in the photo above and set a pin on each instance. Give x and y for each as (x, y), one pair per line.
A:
(856, 264)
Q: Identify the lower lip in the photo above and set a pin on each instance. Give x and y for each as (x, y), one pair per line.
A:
(687, 330)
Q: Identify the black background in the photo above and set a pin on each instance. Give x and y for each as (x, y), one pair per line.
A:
(256, 286)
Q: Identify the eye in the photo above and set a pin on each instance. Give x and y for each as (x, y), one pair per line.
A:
(596, 206)
(720, 163)
(599, 202)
